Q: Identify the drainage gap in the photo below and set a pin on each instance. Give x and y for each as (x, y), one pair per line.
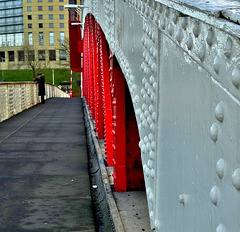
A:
(103, 218)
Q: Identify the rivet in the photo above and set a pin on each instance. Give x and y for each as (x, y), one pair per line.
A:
(144, 81)
(147, 86)
(152, 173)
(162, 23)
(154, 116)
(167, 12)
(214, 132)
(179, 35)
(221, 228)
(152, 126)
(157, 224)
(151, 79)
(236, 77)
(151, 215)
(236, 178)
(150, 164)
(189, 42)
(138, 112)
(151, 196)
(133, 88)
(228, 48)
(146, 113)
(151, 108)
(182, 198)
(196, 29)
(217, 63)
(170, 29)
(136, 99)
(201, 52)
(149, 120)
(219, 112)
(149, 91)
(149, 147)
(184, 22)
(144, 107)
(220, 167)
(145, 140)
(215, 195)
(153, 144)
(175, 18)
(155, 86)
(151, 154)
(148, 191)
(153, 67)
(210, 37)
(150, 137)
(144, 167)
(147, 172)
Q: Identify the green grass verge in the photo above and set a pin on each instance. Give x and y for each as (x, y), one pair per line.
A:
(59, 76)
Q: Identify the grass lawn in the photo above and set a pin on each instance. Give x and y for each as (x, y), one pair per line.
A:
(59, 75)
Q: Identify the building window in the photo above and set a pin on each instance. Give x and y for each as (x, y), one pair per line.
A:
(50, 8)
(50, 16)
(2, 56)
(62, 38)
(61, 25)
(50, 25)
(41, 55)
(62, 54)
(21, 56)
(61, 8)
(29, 8)
(60, 0)
(39, 8)
(50, 0)
(31, 55)
(40, 38)
(40, 25)
(11, 56)
(61, 16)
(30, 38)
(29, 25)
(29, 0)
(52, 55)
(51, 38)
(29, 17)
(40, 17)
(39, 0)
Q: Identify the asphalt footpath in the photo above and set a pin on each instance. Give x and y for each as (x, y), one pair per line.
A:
(44, 180)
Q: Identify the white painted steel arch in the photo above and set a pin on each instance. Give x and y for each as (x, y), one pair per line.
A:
(181, 60)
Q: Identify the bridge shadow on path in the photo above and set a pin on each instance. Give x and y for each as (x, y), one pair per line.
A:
(44, 181)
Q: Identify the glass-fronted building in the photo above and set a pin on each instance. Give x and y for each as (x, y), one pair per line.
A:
(33, 31)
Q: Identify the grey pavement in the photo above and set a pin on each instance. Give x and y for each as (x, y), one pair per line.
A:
(44, 182)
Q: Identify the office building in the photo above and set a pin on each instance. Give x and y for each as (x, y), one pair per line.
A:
(33, 33)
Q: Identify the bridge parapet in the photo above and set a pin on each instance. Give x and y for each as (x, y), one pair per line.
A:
(181, 63)
(18, 96)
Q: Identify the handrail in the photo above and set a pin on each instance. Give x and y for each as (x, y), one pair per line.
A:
(18, 96)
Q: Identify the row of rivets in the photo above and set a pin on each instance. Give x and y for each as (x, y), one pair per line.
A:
(164, 12)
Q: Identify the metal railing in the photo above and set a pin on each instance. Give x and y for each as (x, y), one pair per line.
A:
(18, 96)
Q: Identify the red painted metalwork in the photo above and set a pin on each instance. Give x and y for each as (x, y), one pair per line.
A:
(96, 88)
(135, 178)
(119, 133)
(75, 42)
(109, 101)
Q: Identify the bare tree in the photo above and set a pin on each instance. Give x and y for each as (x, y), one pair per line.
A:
(30, 58)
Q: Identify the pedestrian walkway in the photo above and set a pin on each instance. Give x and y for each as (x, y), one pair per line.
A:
(44, 182)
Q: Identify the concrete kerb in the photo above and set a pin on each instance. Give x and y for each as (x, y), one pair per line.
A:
(117, 221)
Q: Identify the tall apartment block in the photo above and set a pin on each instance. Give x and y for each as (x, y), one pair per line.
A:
(33, 32)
